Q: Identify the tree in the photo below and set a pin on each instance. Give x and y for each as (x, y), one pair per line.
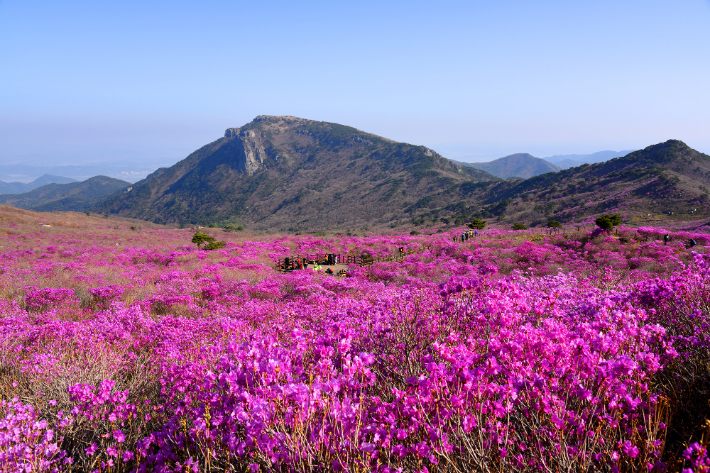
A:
(519, 226)
(554, 224)
(477, 223)
(210, 242)
(608, 222)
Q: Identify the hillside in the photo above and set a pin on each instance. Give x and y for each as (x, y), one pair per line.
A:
(521, 165)
(288, 173)
(74, 196)
(668, 180)
(21, 187)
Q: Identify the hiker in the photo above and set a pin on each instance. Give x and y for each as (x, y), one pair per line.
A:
(329, 271)
(692, 243)
(476, 233)
(666, 239)
(287, 263)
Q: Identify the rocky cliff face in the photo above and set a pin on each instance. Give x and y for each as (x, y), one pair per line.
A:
(250, 152)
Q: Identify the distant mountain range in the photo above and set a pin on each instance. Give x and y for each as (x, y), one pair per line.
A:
(123, 170)
(566, 161)
(20, 187)
(668, 178)
(282, 173)
(74, 196)
(521, 165)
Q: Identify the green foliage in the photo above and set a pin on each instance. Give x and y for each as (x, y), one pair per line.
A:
(477, 223)
(608, 222)
(210, 242)
(554, 224)
(199, 238)
(215, 245)
(414, 232)
(519, 226)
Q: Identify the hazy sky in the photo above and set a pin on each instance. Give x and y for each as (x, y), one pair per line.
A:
(154, 80)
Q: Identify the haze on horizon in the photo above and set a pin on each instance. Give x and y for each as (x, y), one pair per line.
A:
(148, 83)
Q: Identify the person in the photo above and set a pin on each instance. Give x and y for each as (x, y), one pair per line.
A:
(666, 239)
(692, 243)
(329, 271)
(476, 233)
(287, 263)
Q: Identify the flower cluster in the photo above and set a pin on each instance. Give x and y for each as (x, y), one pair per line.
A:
(513, 351)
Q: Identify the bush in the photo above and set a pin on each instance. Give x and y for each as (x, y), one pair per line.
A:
(210, 242)
(477, 224)
(554, 224)
(215, 245)
(519, 226)
(608, 222)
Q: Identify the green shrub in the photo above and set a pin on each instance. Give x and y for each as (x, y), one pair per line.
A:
(215, 245)
(477, 223)
(519, 226)
(210, 242)
(608, 222)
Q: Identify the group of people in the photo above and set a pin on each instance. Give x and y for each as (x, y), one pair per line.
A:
(691, 242)
(465, 236)
(303, 263)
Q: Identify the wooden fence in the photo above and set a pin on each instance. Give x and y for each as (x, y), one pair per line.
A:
(338, 258)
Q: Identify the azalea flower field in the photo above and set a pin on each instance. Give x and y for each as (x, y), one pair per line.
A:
(135, 350)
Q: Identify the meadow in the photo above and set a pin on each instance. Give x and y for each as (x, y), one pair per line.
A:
(134, 350)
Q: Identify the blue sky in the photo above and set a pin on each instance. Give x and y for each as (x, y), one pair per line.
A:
(151, 81)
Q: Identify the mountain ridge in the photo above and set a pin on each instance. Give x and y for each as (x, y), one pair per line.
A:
(74, 196)
(292, 173)
(21, 187)
(522, 165)
(668, 178)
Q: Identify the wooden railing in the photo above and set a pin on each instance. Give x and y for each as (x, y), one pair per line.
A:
(338, 258)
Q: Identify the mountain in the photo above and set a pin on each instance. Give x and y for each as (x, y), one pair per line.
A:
(565, 161)
(74, 196)
(123, 169)
(20, 187)
(516, 165)
(49, 179)
(288, 173)
(670, 179)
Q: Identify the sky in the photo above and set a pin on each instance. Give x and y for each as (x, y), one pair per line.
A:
(150, 81)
